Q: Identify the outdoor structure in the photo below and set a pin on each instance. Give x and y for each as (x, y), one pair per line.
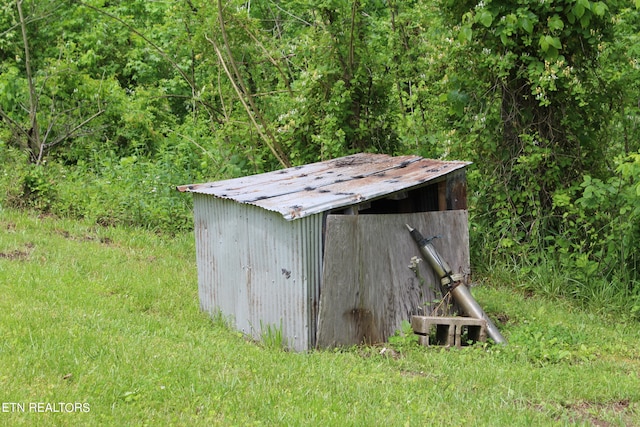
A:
(321, 252)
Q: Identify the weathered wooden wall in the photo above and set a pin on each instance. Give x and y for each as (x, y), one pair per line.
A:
(367, 287)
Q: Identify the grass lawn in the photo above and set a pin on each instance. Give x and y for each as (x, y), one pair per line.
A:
(102, 326)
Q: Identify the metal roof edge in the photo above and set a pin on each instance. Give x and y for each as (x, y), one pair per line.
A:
(284, 204)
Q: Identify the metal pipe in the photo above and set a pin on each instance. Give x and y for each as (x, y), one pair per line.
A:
(458, 290)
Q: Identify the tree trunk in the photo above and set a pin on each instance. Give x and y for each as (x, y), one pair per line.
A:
(33, 134)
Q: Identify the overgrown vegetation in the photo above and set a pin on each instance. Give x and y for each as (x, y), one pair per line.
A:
(108, 317)
(106, 106)
(558, 180)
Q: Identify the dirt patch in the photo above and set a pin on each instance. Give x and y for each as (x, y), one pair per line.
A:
(65, 234)
(593, 413)
(502, 318)
(103, 240)
(589, 412)
(106, 240)
(85, 238)
(18, 254)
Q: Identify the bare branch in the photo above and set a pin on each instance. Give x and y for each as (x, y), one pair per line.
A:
(282, 160)
(269, 57)
(193, 141)
(17, 127)
(241, 90)
(290, 14)
(28, 21)
(77, 127)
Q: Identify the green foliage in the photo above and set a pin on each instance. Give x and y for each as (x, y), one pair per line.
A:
(38, 188)
(599, 234)
(71, 85)
(530, 79)
(556, 344)
(404, 338)
(271, 336)
(109, 190)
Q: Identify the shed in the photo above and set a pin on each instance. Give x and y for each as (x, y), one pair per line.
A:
(321, 253)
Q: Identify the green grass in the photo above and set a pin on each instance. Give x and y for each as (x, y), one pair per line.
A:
(109, 317)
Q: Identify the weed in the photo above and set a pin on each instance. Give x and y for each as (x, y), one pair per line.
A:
(404, 338)
(271, 336)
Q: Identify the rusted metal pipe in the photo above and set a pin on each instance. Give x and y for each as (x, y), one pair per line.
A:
(458, 290)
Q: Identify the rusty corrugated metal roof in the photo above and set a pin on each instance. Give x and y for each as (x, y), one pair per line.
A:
(306, 190)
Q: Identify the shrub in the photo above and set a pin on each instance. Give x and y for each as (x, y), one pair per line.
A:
(599, 233)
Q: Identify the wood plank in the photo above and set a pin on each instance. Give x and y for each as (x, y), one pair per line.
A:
(442, 195)
(368, 288)
(456, 193)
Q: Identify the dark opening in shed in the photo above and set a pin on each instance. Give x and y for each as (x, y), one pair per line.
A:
(321, 251)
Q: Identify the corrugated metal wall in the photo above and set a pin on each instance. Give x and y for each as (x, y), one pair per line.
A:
(259, 269)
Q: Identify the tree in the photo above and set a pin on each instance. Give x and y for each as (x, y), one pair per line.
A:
(535, 65)
(49, 122)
